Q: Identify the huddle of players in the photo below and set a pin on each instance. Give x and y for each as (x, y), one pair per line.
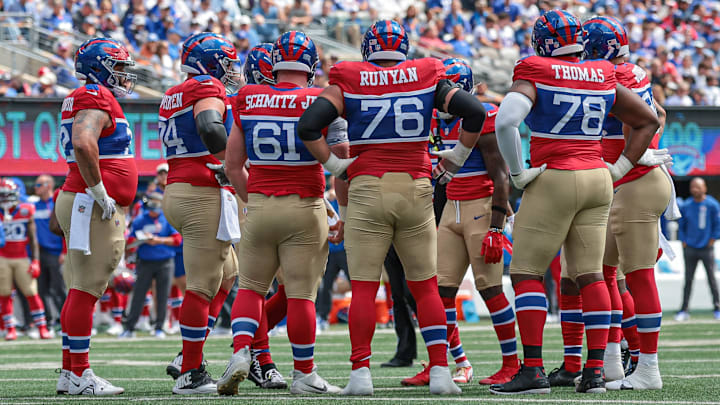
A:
(271, 155)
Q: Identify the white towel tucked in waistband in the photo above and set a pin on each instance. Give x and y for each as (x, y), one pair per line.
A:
(672, 212)
(664, 244)
(80, 223)
(229, 226)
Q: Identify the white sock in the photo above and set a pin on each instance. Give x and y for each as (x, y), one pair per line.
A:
(648, 358)
(612, 348)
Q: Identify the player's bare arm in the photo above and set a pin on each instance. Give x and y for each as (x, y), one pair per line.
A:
(235, 157)
(497, 170)
(86, 130)
(342, 151)
(33, 240)
(641, 119)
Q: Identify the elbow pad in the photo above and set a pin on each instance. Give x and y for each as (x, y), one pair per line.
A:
(319, 115)
(469, 108)
(210, 127)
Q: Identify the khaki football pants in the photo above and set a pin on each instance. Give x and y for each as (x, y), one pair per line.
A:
(107, 245)
(632, 233)
(195, 212)
(288, 232)
(395, 209)
(462, 229)
(16, 269)
(563, 208)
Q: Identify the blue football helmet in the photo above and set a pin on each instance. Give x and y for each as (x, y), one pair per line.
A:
(102, 61)
(557, 33)
(605, 38)
(295, 51)
(459, 72)
(258, 65)
(385, 40)
(207, 53)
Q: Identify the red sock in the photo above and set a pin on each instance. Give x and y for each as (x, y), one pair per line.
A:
(6, 305)
(616, 304)
(362, 321)
(647, 308)
(388, 296)
(193, 324)
(246, 313)
(629, 325)
(556, 273)
(176, 299)
(105, 304)
(66, 365)
(215, 307)
(301, 333)
(146, 307)
(78, 324)
(596, 316)
(261, 342)
(431, 318)
(503, 319)
(37, 311)
(276, 307)
(531, 311)
(118, 302)
(571, 322)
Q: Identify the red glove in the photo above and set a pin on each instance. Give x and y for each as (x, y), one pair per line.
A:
(492, 247)
(34, 269)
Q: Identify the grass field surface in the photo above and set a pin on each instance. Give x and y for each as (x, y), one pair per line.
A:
(689, 362)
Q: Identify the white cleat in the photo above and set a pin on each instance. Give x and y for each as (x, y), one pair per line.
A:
(613, 363)
(441, 382)
(360, 383)
(63, 382)
(311, 384)
(682, 316)
(645, 377)
(102, 318)
(463, 375)
(143, 324)
(116, 329)
(90, 384)
(235, 372)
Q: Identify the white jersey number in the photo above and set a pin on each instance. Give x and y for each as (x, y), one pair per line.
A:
(400, 116)
(593, 107)
(169, 136)
(288, 127)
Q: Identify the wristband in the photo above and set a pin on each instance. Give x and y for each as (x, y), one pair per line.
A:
(495, 229)
(98, 191)
(499, 209)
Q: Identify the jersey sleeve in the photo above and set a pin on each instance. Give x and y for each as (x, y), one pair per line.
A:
(203, 87)
(337, 132)
(439, 69)
(525, 69)
(94, 97)
(489, 124)
(238, 104)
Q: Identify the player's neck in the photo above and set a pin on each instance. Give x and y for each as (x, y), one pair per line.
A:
(618, 61)
(299, 79)
(386, 63)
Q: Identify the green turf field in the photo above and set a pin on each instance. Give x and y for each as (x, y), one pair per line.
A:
(689, 360)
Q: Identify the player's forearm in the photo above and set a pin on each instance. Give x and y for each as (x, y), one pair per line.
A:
(341, 150)
(238, 177)
(87, 158)
(32, 239)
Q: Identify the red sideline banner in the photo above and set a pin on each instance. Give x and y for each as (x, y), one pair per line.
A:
(30, 139)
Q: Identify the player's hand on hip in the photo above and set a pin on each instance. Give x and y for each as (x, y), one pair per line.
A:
(492, 246)
(522, 179)
(220, 175)
(337, 232)
(34, 268)
(654, 157)
(106, 203)
(338, 167)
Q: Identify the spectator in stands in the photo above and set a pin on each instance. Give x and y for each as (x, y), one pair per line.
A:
(298, 14)
(242, 45)
(138, 33)
(713, 91)
(58, 19)
(459, 44)
(204, 13)
(46, 86)
(267, 16)
(155, 261)
(174, 41)
(507, 7)
(411, 22)
(51, 285)
(6, 89)
(252, 35)
(63, 65)
(110, 28)
(456, 17)
(431, 41)
(90, 25)
(479, 14)
(86, 10)
(506, 32)
(488, 35)
(681, 96)
(21, 87)
(23, 6)
(698, 229)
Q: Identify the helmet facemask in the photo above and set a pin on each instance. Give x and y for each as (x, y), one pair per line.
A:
(120, 82)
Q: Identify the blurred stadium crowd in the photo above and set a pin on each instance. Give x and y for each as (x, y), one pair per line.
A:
(678, 41)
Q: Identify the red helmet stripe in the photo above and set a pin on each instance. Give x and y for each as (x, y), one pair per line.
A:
(566, 40)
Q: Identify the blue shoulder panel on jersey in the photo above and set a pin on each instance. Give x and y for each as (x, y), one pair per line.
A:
(92, 87)
(202, 78)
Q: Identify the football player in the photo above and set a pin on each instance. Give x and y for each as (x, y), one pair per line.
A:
(96, 140)
(194, 123)
(388, 103)
(566, 102)
(470, 232)
(640, 198)
(286, 223)
(18, 223)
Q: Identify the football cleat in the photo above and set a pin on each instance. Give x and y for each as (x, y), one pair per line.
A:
(115, 329)
(90, 384)
(102, 318)
(528, 380)
(175, 367)
(273, 379)
(645, 377)
(463, 375)
(143, 324)
(441, 382)
(682, 316)
(419, 379)
(255, 373)
(127, 334)
(311, 384)
(11, 334)
(45, 333)
(613, 365)
(63, 382)
(631, 366)
(505, 374)
(360, 383)
(158, 334)
(592, 381)
(560, 377)
(235, 372)
(195, 381)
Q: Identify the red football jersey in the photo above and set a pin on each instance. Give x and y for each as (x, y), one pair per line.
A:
(186, 154)
(15, 226)
(280, 163)
(573, 100)
(117, 164)
(634, 78)
(389, 111)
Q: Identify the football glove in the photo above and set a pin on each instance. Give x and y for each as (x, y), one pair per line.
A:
(620, 168)
(220, 175)
(338, 167)
(106, 203)
(492, 246)
(34, 269)
(522, 179)
(451, 161)
(654, 157)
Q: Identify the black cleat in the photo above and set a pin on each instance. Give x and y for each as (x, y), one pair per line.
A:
(592, 381)
(196, 381)
(255, 374)
(560, 377)
(632, 365)
(529, 380)
(395, 362)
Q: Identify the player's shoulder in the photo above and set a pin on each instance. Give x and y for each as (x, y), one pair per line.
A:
(489, 107)
(631, 75)
(26, 210)
(198, 87)
(90, 96)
